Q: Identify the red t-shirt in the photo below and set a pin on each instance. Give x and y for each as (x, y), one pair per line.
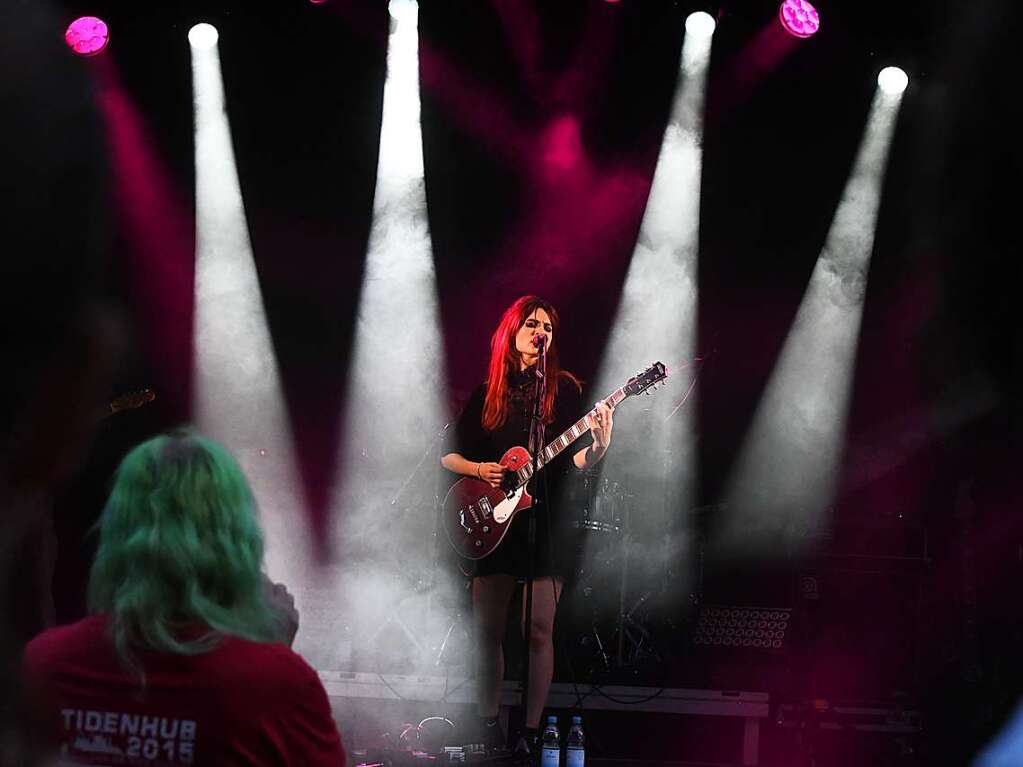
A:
(242, 703)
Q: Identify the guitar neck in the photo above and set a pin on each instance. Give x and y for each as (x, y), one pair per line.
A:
(567, 437)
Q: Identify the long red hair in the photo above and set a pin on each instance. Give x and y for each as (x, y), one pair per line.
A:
(505, 359)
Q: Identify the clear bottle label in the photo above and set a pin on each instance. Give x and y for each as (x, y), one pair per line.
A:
(550, 757)
(575, 757)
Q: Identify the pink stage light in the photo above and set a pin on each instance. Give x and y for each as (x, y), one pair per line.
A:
(799, 18)
(87, 35)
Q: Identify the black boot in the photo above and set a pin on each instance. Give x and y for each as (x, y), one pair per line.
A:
(527, 747)
(490, 734)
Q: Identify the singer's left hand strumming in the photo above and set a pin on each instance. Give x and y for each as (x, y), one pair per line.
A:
(601, 423)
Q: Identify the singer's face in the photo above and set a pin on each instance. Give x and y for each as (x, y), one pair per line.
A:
(538, 323)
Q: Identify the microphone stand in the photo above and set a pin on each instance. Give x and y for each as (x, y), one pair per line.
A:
(536, 443)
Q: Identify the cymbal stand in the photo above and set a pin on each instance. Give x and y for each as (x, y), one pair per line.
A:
(624, 584)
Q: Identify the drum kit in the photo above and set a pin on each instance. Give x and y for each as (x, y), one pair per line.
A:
(612, 625)
(601, 505)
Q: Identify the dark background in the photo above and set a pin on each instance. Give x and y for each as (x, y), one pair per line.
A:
(936, 406)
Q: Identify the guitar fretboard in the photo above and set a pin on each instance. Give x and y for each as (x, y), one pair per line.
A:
(567, 437)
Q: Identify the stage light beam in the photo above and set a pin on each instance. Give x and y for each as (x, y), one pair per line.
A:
(787, 471)
(656, 318)
(394, 409)
(237, 393)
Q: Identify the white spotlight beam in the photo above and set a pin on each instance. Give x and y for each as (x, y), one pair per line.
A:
(236, 386)
(786, 474)
(394, 406)
(656, 317)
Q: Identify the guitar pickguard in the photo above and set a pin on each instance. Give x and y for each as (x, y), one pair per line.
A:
(504, 509)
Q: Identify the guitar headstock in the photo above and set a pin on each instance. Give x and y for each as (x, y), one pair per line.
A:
(132, 400)
(647, 380)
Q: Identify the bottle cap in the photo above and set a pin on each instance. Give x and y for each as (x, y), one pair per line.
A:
(552, 719)
(577, 719)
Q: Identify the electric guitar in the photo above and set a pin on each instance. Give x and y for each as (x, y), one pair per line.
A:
(476, 515)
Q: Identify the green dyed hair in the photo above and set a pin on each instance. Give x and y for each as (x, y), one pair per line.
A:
(178, 564)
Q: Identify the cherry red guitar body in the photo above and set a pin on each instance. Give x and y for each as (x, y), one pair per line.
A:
(477, 516)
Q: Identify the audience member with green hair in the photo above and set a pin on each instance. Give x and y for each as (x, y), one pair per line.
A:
(185, 658)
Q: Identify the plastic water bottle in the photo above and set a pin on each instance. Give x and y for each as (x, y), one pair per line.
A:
(550, 750)
(575, 744)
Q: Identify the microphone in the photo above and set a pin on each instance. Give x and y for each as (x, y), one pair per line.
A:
(539, 341)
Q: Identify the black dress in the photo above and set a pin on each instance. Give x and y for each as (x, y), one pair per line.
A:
(554, 549)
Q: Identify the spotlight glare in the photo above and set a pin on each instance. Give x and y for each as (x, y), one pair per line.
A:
(402, 10)
(799, 18)
(700, 23)
(892, 80)
(203, 36)
(87, 35)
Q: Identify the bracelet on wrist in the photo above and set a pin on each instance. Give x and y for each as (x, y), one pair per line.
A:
(478, 467)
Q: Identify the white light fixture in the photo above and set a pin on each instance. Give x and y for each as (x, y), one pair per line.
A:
(892, 80)
(403, 10)
(203, 36)
(700, 23)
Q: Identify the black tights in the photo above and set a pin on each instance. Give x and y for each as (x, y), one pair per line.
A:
(490, 597)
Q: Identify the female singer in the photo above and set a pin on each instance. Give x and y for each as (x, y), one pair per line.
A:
(496, 418)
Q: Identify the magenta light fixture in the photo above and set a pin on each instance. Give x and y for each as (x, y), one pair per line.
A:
(799, 18)
(87, 35)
